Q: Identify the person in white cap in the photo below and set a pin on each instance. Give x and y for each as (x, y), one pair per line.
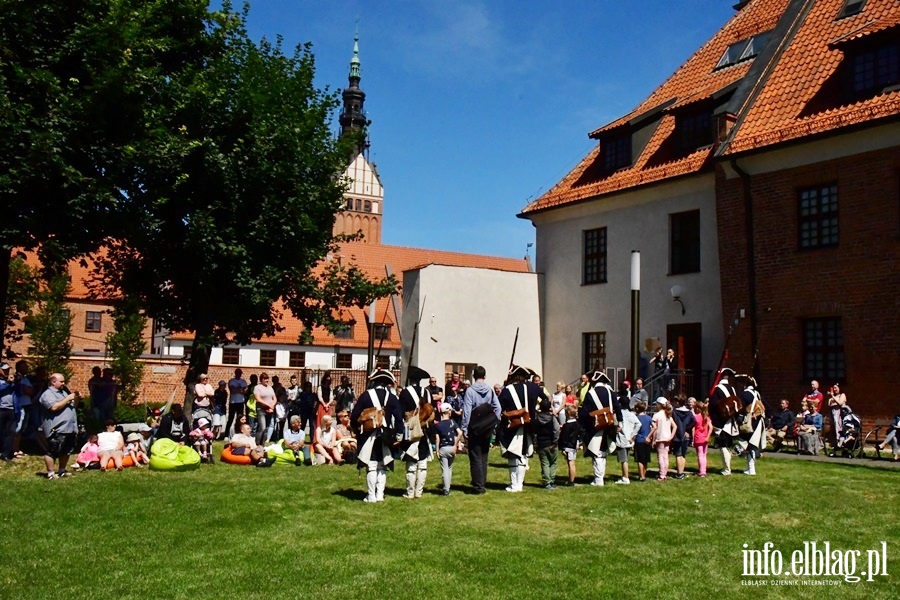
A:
(135, 449)
(376, 418)
(601, 417)
(661, 433)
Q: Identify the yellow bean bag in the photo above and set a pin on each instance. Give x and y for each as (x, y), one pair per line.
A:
(166, 455)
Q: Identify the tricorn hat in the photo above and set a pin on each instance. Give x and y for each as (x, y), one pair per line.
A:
(382, 376)
(520, 371)
(726, 372)
(599, 376)
(417, 374)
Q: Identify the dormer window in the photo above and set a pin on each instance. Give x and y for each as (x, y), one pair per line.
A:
(616, 152)
(875, 69)
(694, 130)
(743, 50)
(850, 8)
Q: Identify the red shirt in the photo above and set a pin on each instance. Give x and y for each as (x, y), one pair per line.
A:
(816, 396)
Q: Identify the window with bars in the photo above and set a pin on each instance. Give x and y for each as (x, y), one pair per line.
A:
(593, 351)
(818, 219)
(343, 361)
(382, 331)
(231, 356)
(267, 358)
(684, 242)
(694, 130)
(382, 362)
(823, 349)
(594, 261)
(616, 152)
(92, 321)
(297, 360)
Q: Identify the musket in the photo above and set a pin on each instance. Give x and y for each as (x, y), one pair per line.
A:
(724, 357)
(415, 335)
(512, 359)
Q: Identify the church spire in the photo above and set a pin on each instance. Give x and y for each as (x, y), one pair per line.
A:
(353, 117)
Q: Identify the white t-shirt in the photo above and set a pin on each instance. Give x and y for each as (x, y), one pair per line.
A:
(110, 440)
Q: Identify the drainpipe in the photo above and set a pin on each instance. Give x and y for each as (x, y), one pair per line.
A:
(751, 259)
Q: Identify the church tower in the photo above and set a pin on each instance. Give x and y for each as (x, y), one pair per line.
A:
(364, 198)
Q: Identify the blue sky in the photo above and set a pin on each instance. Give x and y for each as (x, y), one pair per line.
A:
(479, 106)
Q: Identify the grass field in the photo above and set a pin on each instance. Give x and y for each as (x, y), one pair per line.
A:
(242, 532)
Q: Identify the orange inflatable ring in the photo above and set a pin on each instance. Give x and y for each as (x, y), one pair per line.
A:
(235, 459)
(126, 462)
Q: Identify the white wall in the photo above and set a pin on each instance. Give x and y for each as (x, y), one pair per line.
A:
(470, 317)
(635, 220)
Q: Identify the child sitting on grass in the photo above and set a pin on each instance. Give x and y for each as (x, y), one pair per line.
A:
(569, 436)
(641, 444)
(89, 456)
(135, 449)
(202, 438)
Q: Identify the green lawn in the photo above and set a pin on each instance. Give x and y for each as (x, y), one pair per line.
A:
(243, 532)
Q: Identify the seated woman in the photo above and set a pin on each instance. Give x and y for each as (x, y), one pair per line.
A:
(892, 438)
(244, 443)
(111, 444)
(346, 439)
(326, 442)
(295, 438)
(808, 437)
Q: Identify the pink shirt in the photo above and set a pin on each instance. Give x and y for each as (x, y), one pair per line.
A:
(664, 431)
(265, 397)
(701, 429)
(204, 393)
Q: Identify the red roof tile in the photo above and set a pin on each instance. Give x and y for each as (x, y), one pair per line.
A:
(786, 108)
(696, 80)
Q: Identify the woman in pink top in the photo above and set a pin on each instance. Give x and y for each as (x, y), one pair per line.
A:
(265, 409)
(662, 430)
(701, 434)
(203, 399)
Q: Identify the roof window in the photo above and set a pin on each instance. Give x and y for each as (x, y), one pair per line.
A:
(743, 50)
(850, 8)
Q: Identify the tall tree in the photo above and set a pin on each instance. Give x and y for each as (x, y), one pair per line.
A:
(125, 345)
(50, 327)
(23, 293)
(231, 201)
(78, 81)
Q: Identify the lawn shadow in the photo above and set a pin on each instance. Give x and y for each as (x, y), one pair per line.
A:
(351, 494)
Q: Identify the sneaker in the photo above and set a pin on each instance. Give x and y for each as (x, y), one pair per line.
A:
(52, 475)
(549, 486)
(512, 490)
(661, 478)
(63, 473)
(598, 483)
(726, 472)
(623, 481)
(445, 493)
(570, 484)
(679, 476)
(701, 475)
(749, 473)
(369, 500)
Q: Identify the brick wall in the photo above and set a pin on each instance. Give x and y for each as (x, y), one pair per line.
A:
(858, 281)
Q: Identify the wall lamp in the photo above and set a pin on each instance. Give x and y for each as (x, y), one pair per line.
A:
(677, 291)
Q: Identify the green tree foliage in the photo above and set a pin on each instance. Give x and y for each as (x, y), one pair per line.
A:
(125, 344)
(23, 292)
(50, 327)
(80, 81)
(229, 209)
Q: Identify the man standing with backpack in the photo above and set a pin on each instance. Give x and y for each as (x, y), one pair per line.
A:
(481, 413)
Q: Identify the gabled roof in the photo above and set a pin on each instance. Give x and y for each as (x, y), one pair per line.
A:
(696, 80)
(797, 99)
(786, 93)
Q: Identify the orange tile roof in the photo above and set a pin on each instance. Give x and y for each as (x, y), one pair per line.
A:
(697, 79)
(783, 110)
(372, 259)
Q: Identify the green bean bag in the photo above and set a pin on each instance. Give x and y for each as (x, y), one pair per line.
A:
(285, 458)
(166, 455)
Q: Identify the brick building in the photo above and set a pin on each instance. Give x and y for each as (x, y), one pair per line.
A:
(781, 134)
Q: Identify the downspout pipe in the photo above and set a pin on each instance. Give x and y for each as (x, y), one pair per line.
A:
(751, 258)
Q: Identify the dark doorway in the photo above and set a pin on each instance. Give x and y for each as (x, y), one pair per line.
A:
(686, 339)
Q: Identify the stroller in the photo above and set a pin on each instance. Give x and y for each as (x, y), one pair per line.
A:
(851, 430)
